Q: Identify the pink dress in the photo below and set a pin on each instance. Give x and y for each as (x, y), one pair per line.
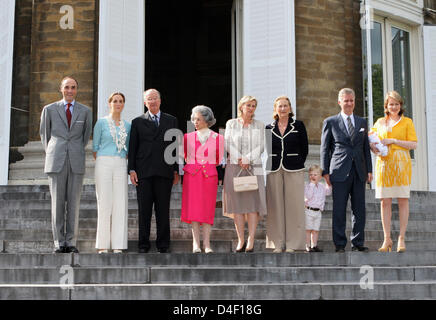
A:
(200, 181)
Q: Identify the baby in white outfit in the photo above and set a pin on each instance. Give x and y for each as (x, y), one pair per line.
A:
(373, 138)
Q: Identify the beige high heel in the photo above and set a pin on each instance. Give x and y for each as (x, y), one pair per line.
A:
(387, 246)
(401, 248)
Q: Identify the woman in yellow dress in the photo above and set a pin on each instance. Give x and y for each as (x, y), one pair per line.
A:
(394, 171)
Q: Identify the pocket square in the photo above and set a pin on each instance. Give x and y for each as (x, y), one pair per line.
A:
(80, 121)
(362, 129)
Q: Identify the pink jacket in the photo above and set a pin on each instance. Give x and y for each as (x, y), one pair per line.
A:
(203, 158)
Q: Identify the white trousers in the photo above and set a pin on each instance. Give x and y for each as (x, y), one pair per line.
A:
(111, 188)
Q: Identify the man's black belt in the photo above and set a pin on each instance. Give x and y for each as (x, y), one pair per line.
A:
(313, 209)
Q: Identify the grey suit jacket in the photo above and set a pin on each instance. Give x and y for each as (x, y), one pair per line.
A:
(338, 150)
(59, 140)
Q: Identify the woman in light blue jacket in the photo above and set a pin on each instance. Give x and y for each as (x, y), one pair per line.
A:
(110, 146)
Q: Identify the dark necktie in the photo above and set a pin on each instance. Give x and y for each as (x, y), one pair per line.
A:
(68, 113)
(350, 127)
(155, 121)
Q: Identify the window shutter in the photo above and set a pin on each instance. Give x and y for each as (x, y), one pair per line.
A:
(121, 55)
(430, 88)
(7, 16)
(268, 53)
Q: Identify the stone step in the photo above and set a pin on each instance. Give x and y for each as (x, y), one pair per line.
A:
(11, 208)
(86, 195)
(185, 245)
(418, 198)
(219, 223)
(186, 233)
(209, 274)
(216, 291)
(91, 212)
(256, 259)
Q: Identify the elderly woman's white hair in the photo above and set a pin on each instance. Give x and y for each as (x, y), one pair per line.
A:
(206, 113)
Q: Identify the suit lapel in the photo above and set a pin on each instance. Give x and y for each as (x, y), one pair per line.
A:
(61, 109)
(76, 111)
(357, 125)
(148, 121)
(342, 127)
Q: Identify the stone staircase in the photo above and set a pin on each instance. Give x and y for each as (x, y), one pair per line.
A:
(28, 269)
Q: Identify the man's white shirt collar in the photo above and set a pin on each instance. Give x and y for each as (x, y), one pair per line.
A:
(72, 104)
(65, 102)
(155, 115)
(345, 117)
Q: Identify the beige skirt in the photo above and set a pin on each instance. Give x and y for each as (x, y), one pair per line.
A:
(242, 202)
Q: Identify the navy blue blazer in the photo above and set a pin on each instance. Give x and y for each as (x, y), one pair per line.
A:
(288, 151)
(338, 150)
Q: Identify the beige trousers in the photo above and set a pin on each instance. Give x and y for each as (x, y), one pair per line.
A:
(285, 227)
(111, 188)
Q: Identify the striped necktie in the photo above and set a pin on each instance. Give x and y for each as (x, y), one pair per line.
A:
(350, 127)
(156, 122)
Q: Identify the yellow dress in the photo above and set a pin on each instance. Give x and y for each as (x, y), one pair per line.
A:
(394, 171)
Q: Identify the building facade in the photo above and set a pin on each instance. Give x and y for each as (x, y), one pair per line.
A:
(215, 51)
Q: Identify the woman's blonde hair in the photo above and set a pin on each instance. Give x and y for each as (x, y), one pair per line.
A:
(396, 96)
(243, 101)
(276, 101)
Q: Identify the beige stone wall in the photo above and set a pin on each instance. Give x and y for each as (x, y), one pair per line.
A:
(328, 58)
(57, 53)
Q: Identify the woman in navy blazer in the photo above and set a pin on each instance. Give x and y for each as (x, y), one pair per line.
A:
(287, 147)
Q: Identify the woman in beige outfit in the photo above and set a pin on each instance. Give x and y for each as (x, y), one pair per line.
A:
(244, 139)
(287, 148)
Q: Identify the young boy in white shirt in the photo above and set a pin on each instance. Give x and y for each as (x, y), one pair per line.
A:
(314, 199)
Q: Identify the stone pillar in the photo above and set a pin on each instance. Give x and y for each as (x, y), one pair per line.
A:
(58, 52)
(328, 56)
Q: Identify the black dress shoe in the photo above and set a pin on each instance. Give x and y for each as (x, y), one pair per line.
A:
(163, 250)
(360, 248)
(340, 249)
(71, 249)
(316, 249)
(60, 250)
(143, 250)
(242, 248)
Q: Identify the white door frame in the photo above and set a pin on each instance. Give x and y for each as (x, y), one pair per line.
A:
(7, 19)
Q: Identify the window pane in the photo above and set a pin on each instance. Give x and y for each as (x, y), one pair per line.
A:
(401, 67)
(377, 70)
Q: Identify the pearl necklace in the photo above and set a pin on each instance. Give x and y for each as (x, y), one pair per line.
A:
(121, 137)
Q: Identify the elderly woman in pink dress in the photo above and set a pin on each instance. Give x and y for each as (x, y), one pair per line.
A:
(203, 150)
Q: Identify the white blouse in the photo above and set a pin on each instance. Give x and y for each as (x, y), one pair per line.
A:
(245, 143)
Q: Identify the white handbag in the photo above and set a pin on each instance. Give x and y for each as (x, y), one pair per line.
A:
(246, 183)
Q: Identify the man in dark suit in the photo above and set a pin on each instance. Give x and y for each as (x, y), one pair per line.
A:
(346, 162)
(150, 172)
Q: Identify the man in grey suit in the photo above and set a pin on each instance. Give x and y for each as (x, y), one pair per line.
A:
(65, 130)
(346, 163)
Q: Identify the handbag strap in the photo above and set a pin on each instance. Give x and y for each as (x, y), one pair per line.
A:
(241, 171)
